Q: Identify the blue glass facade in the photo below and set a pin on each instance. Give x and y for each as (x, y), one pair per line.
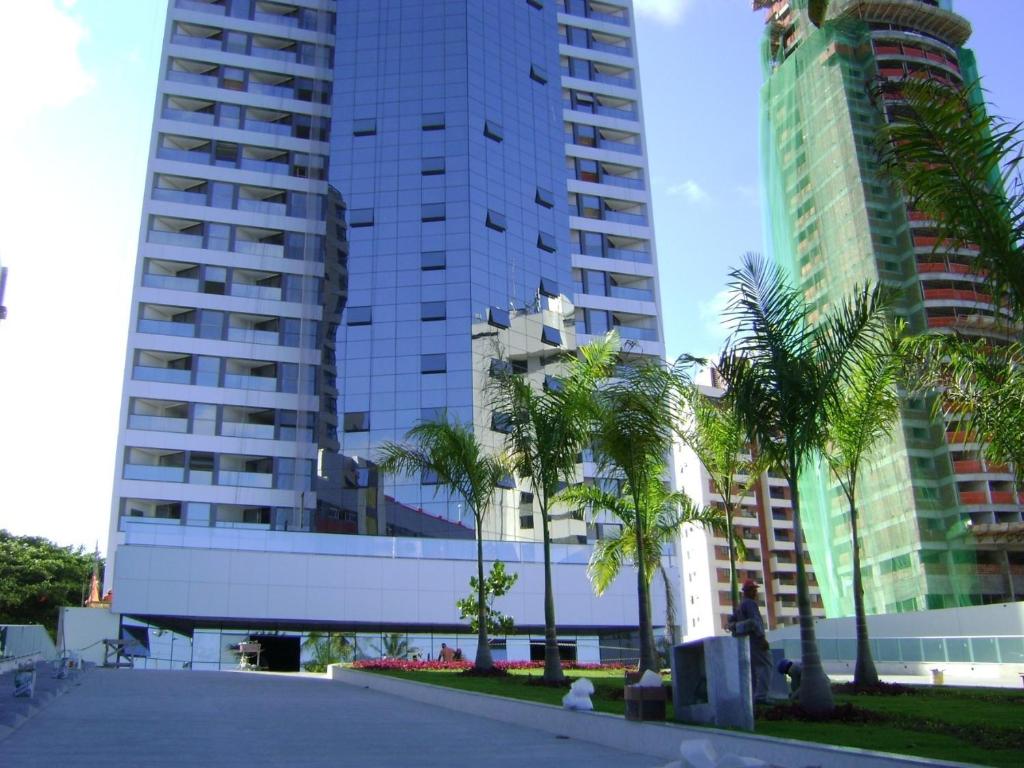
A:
(447, 126)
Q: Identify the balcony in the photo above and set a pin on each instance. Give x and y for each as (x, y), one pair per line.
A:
(636, 334)
(195, 5)
(170, 282)
(262, 126)
(257, 248)
(163, 237)
(967, 467)
(188, 116)
(152, 472)
(249, 291)
(166, 327)
(245, 429)
(634, 294)
(253, 336)
(171, 195)
(973, 497)
(254, 383)
(245, 479)
(262, 207)
(162, 375)
(157, 423)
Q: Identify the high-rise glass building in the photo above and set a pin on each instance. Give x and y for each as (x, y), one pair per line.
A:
(932, 510)
(353, 212)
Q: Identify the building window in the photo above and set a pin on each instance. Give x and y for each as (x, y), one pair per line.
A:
(500, 422)
(493, 130)
(359, 315)
(433, 364)
(498, 317)
(546, 242)
(365, 127)
(432, 310)
(360, 217)
(526, 521)
(496, 221)
(548, 287)
(500, 367)
(538, 74)
(551, 336)
(544, 197)
(432, 212)
(433, 121)
(428, 477)
(357, 421)
(553, 383)
(431, 260)
(432, 166)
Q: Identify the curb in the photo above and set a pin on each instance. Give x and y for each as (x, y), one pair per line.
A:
(657, 740)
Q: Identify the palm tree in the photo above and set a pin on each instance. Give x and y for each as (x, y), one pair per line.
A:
(451, 452)
(981, 386)
(545, 431)
(714, 431)
(963, 169)
(633, 428)
(864, 414)
(785, 374)
(650, 519)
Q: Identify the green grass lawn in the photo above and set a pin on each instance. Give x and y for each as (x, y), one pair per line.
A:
(969, 725)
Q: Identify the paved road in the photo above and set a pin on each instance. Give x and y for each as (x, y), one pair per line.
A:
(149, 718)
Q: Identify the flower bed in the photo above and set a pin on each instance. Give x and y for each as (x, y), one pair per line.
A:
(407, 665)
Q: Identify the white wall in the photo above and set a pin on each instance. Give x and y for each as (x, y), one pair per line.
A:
(82, 630)
(374, 580)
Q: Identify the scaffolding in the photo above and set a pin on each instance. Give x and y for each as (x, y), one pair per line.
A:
(834, 222)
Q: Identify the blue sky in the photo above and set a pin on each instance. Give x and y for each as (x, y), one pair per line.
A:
(75, 172)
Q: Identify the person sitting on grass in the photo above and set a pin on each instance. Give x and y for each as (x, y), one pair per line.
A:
(795, 670)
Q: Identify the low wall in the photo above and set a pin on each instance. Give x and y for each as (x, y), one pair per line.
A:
(659, 740)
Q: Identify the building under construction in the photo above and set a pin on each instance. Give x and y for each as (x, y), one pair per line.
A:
(937, 522)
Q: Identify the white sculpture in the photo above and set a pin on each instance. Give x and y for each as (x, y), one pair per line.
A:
(579, 694)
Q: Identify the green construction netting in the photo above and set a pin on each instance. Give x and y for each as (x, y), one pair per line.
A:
(833, 221)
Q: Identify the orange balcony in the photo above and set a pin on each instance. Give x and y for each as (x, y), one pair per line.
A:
(955, 294)
(973, 497)
(941, 322)
(955, 438)
(967, 467)
(1004, 497)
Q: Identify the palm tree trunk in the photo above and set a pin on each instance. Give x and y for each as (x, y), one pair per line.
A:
(733, 581)
(484, 662)
(670, 607)
(864, 672)
(815, 690)
(552, 662)
(648, 654)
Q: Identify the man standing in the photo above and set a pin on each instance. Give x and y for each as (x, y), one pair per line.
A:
(747, 621)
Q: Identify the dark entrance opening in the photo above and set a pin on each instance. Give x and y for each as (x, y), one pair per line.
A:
(566, 650)
(279, 653)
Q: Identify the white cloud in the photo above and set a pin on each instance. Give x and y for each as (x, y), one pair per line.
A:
(665, 11)
(40, 39)
(712, 317)
(689, 189)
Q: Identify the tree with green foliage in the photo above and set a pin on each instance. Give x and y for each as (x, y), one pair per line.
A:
(497, 584)
(546, 431)
(451, 452)
(785, 374)
(650, 519)
(865, 413)
(631, 436)
(37, 577)
(980, 385)
(963, 169)
(714, 431)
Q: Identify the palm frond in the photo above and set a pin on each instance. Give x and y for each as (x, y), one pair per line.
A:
(963, 169)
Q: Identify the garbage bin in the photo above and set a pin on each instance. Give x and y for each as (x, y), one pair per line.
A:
(938, 677)
(644, 703)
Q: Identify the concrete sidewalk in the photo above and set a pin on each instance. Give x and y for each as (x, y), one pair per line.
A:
(227, 719)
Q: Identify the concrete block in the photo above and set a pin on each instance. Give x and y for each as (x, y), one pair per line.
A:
(711, 682)
(778, 683)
